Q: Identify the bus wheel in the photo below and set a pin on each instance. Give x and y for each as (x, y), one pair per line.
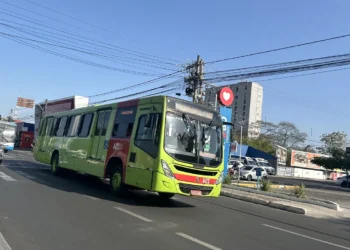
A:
(166, 195)
(55, 169)
(116, 184)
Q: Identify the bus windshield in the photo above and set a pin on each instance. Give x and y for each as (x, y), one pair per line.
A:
(193, 141)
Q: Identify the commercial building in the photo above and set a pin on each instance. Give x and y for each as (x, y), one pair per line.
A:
(246, 107)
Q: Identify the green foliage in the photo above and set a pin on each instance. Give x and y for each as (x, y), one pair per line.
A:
(227, 180)
(299, 191)
(338, 160)
(332, 141)
(266, 186)
(284, 134)
(260, 143)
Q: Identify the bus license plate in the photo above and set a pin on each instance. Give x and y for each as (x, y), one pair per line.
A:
(196, 192)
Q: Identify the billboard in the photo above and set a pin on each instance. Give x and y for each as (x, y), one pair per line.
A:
(25, 103)
(303, 159)
(281, 154)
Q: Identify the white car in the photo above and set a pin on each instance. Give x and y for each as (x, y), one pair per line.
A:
(249, 173)
(342, 181)
(231, 163)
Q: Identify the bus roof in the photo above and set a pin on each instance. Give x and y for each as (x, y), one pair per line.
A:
(128, 103)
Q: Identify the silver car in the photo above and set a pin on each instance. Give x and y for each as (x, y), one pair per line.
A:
(1, 153)
(249, 173)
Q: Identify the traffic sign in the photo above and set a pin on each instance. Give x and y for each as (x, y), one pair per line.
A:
(226, 96)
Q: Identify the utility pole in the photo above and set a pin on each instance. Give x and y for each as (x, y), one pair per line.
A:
(195, 80)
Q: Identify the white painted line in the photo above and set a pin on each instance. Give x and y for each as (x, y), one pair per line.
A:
(133, 214)
(6, 177)
(307, 237)
(91, 197)
(3, 243)
(207, 245)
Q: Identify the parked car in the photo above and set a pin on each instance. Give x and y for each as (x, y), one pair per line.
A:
(1, 153)
(231, 163)
(249, 173)
(246, 160)
(265, 165)
(342, 181)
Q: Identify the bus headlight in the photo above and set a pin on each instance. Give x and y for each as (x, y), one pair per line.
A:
(167, 170)
(219, 180)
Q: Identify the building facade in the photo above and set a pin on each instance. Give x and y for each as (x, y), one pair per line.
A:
(246, 107)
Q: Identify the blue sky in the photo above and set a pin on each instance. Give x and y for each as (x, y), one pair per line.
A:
(180, 30)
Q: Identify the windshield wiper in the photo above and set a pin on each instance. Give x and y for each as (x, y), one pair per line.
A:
(192, 131)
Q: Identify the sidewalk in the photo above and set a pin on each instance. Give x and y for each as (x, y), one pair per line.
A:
(287, 205)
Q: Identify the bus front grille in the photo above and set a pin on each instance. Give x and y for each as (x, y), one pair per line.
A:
(196, 171)
(186, 188)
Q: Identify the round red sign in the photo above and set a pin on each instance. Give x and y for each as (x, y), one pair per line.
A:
(226, 96)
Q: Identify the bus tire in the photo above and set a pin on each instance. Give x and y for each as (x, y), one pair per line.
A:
(6, 151)
(116, 185)
(55, 169)
(166, 196)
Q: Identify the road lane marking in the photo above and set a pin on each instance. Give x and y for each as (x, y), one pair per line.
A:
(207, 245)
(3, 243)
(6, 177)
(133, 214)
(307, 237)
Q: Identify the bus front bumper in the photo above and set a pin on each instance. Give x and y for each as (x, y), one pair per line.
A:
(164, 184)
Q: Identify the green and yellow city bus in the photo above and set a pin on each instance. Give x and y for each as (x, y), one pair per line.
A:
(160, 144)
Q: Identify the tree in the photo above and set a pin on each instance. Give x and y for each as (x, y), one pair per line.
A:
(332, 141)
(339, 159)
(262, 143)
(288, 135)
(284, 134)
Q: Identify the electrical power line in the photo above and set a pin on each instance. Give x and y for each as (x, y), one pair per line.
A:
(69, 24)
(281, 48)
(87, 23)
(72, 58)
(102, 44)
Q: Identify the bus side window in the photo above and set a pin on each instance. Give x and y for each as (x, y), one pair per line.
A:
(85, 126)
(62, 126)
(148, 132)
(54, 127)
(49, 125)
(42, 127)
(72, 129)
(124, 122)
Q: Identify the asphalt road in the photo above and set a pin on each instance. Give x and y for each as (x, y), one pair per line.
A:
(320, 184)
(41, 211)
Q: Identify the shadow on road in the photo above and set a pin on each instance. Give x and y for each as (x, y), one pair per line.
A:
(70, 181)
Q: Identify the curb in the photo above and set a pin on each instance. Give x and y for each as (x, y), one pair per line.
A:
(292, 209)
(274, 186)
(322, 203)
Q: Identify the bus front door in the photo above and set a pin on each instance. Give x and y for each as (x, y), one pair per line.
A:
(144, 150)
(98, 148)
